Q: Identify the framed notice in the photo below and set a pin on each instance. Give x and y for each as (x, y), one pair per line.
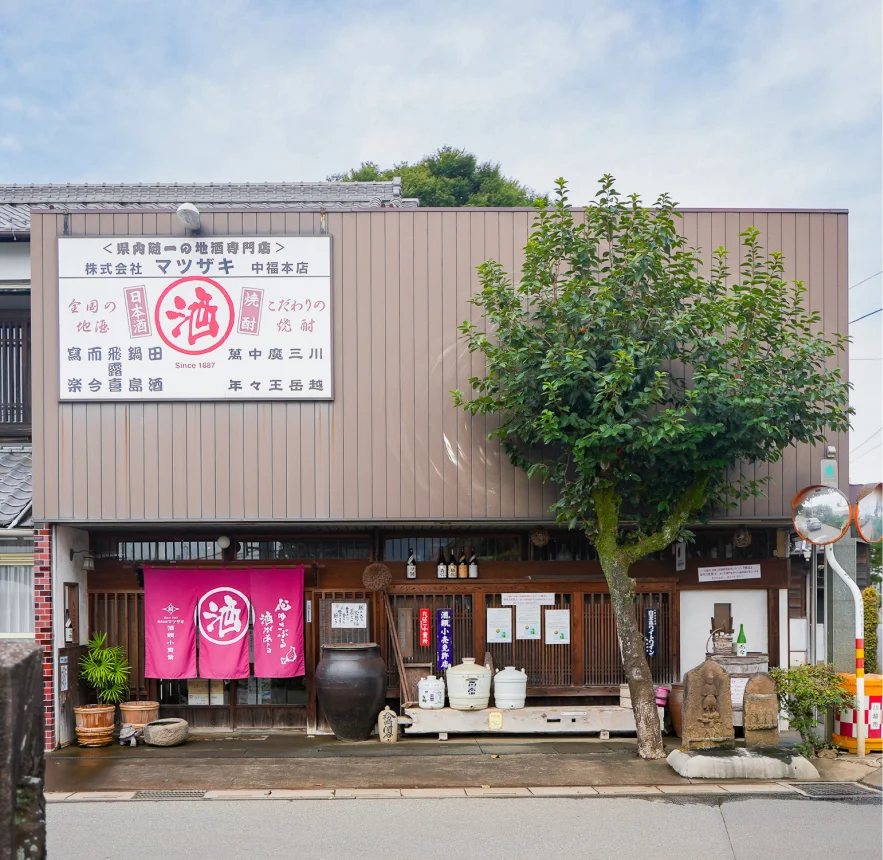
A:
(729, 572)
(499, 625)
(351, 615)
(194, 318)
(557, 627)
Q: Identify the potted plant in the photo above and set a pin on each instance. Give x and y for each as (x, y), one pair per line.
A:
(106, 670)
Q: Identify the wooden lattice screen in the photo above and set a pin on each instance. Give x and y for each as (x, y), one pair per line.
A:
(120, 614)
(591, 660)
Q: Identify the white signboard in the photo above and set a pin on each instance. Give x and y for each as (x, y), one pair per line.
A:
(499, 625)
(349, 616)
(731, 571)
(527, 621)
(539, 599)
(557, 627)
(737, 691)
(194, 318)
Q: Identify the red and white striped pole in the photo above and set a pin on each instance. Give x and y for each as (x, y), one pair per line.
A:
(849, 582)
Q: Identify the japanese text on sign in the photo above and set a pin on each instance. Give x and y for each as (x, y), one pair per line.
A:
(444, 640)
(424, 628)
(185, 319)
(349, 616)
(651, 638)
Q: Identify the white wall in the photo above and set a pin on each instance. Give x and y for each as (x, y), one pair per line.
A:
(749, 607)
(64, 570)
(15, 261)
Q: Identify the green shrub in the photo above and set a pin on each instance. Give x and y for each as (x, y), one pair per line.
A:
(106, 670)
(872, 619)
(803, 690)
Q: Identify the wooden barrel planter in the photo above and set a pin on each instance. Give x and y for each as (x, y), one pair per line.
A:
(139, 714)
(95, 725)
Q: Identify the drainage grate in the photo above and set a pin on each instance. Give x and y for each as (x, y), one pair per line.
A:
(827, 790)
(169, 795)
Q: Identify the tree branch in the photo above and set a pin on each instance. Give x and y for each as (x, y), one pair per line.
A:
(691, 500)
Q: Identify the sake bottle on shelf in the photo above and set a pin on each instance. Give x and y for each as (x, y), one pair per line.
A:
(411, 569)
(473, 563)
(452, 565)
(741, 643)
(441, 568)
(462, 567)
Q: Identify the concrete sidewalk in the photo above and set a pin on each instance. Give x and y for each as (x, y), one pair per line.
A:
(287, 761)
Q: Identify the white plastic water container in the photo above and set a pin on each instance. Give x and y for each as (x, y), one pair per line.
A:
(469, 686)
(510, 688)
(431, 693)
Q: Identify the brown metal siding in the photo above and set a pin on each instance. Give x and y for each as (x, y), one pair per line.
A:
(390, 446)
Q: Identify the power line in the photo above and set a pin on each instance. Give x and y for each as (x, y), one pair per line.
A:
(866, 316)
(865, 442)
(865, 453)
(866, 279)
(866, 359)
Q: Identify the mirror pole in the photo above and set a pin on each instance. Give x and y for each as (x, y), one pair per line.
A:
(850, 583)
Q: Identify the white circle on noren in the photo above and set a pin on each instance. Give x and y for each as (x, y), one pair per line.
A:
(244, 622)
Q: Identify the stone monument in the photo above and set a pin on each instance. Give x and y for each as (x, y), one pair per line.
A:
(708, 709)
(760, 710)
(22, 804)
(709, 750)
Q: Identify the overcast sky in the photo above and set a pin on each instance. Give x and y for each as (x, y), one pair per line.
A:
(774, 103)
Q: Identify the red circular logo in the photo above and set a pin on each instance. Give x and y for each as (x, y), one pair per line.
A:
(194, 315)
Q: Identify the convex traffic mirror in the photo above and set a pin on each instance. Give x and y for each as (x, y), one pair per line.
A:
(821, 514)
(869, 514)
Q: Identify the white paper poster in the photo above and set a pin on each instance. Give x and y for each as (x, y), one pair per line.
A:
(527, 621)
(730, 571)
(499, 625)
(557, 627)
(194, 318)
(544, 598)
(349, 616)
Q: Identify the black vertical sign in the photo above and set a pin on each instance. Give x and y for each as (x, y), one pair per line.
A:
(651, 632)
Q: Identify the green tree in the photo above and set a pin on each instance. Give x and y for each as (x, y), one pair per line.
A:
(871, 601)
(805, 690)
(638, 385)
(448, 177)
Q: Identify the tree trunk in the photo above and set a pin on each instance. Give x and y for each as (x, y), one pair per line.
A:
(634, 658)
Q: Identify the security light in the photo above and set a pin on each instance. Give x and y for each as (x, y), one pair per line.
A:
(189, 216)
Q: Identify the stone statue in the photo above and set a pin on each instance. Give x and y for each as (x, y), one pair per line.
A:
(760, 709)
(708, 709)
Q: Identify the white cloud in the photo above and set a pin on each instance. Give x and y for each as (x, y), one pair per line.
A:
(756, 104)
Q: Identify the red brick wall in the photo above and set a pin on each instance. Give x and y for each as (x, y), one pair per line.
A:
(43, 624)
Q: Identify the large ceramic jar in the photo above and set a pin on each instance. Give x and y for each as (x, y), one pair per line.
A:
(510, 688)
(469, 686)
(351, 685)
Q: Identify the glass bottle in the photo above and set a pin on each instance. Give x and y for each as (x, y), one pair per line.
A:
(462, 566)
(741, 643)
(441, 567)
(473, 563)
(411, 569)
(452, 565)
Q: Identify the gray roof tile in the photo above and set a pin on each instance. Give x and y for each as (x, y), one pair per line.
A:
(16, 201)
(16, 483)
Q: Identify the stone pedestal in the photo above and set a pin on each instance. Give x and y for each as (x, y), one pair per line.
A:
(741, 764)
(708, 712)
(761, 712)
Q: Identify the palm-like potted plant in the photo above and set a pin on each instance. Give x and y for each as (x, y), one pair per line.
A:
(106, 670)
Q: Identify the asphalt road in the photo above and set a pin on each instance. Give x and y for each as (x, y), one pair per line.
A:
(467, 829)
